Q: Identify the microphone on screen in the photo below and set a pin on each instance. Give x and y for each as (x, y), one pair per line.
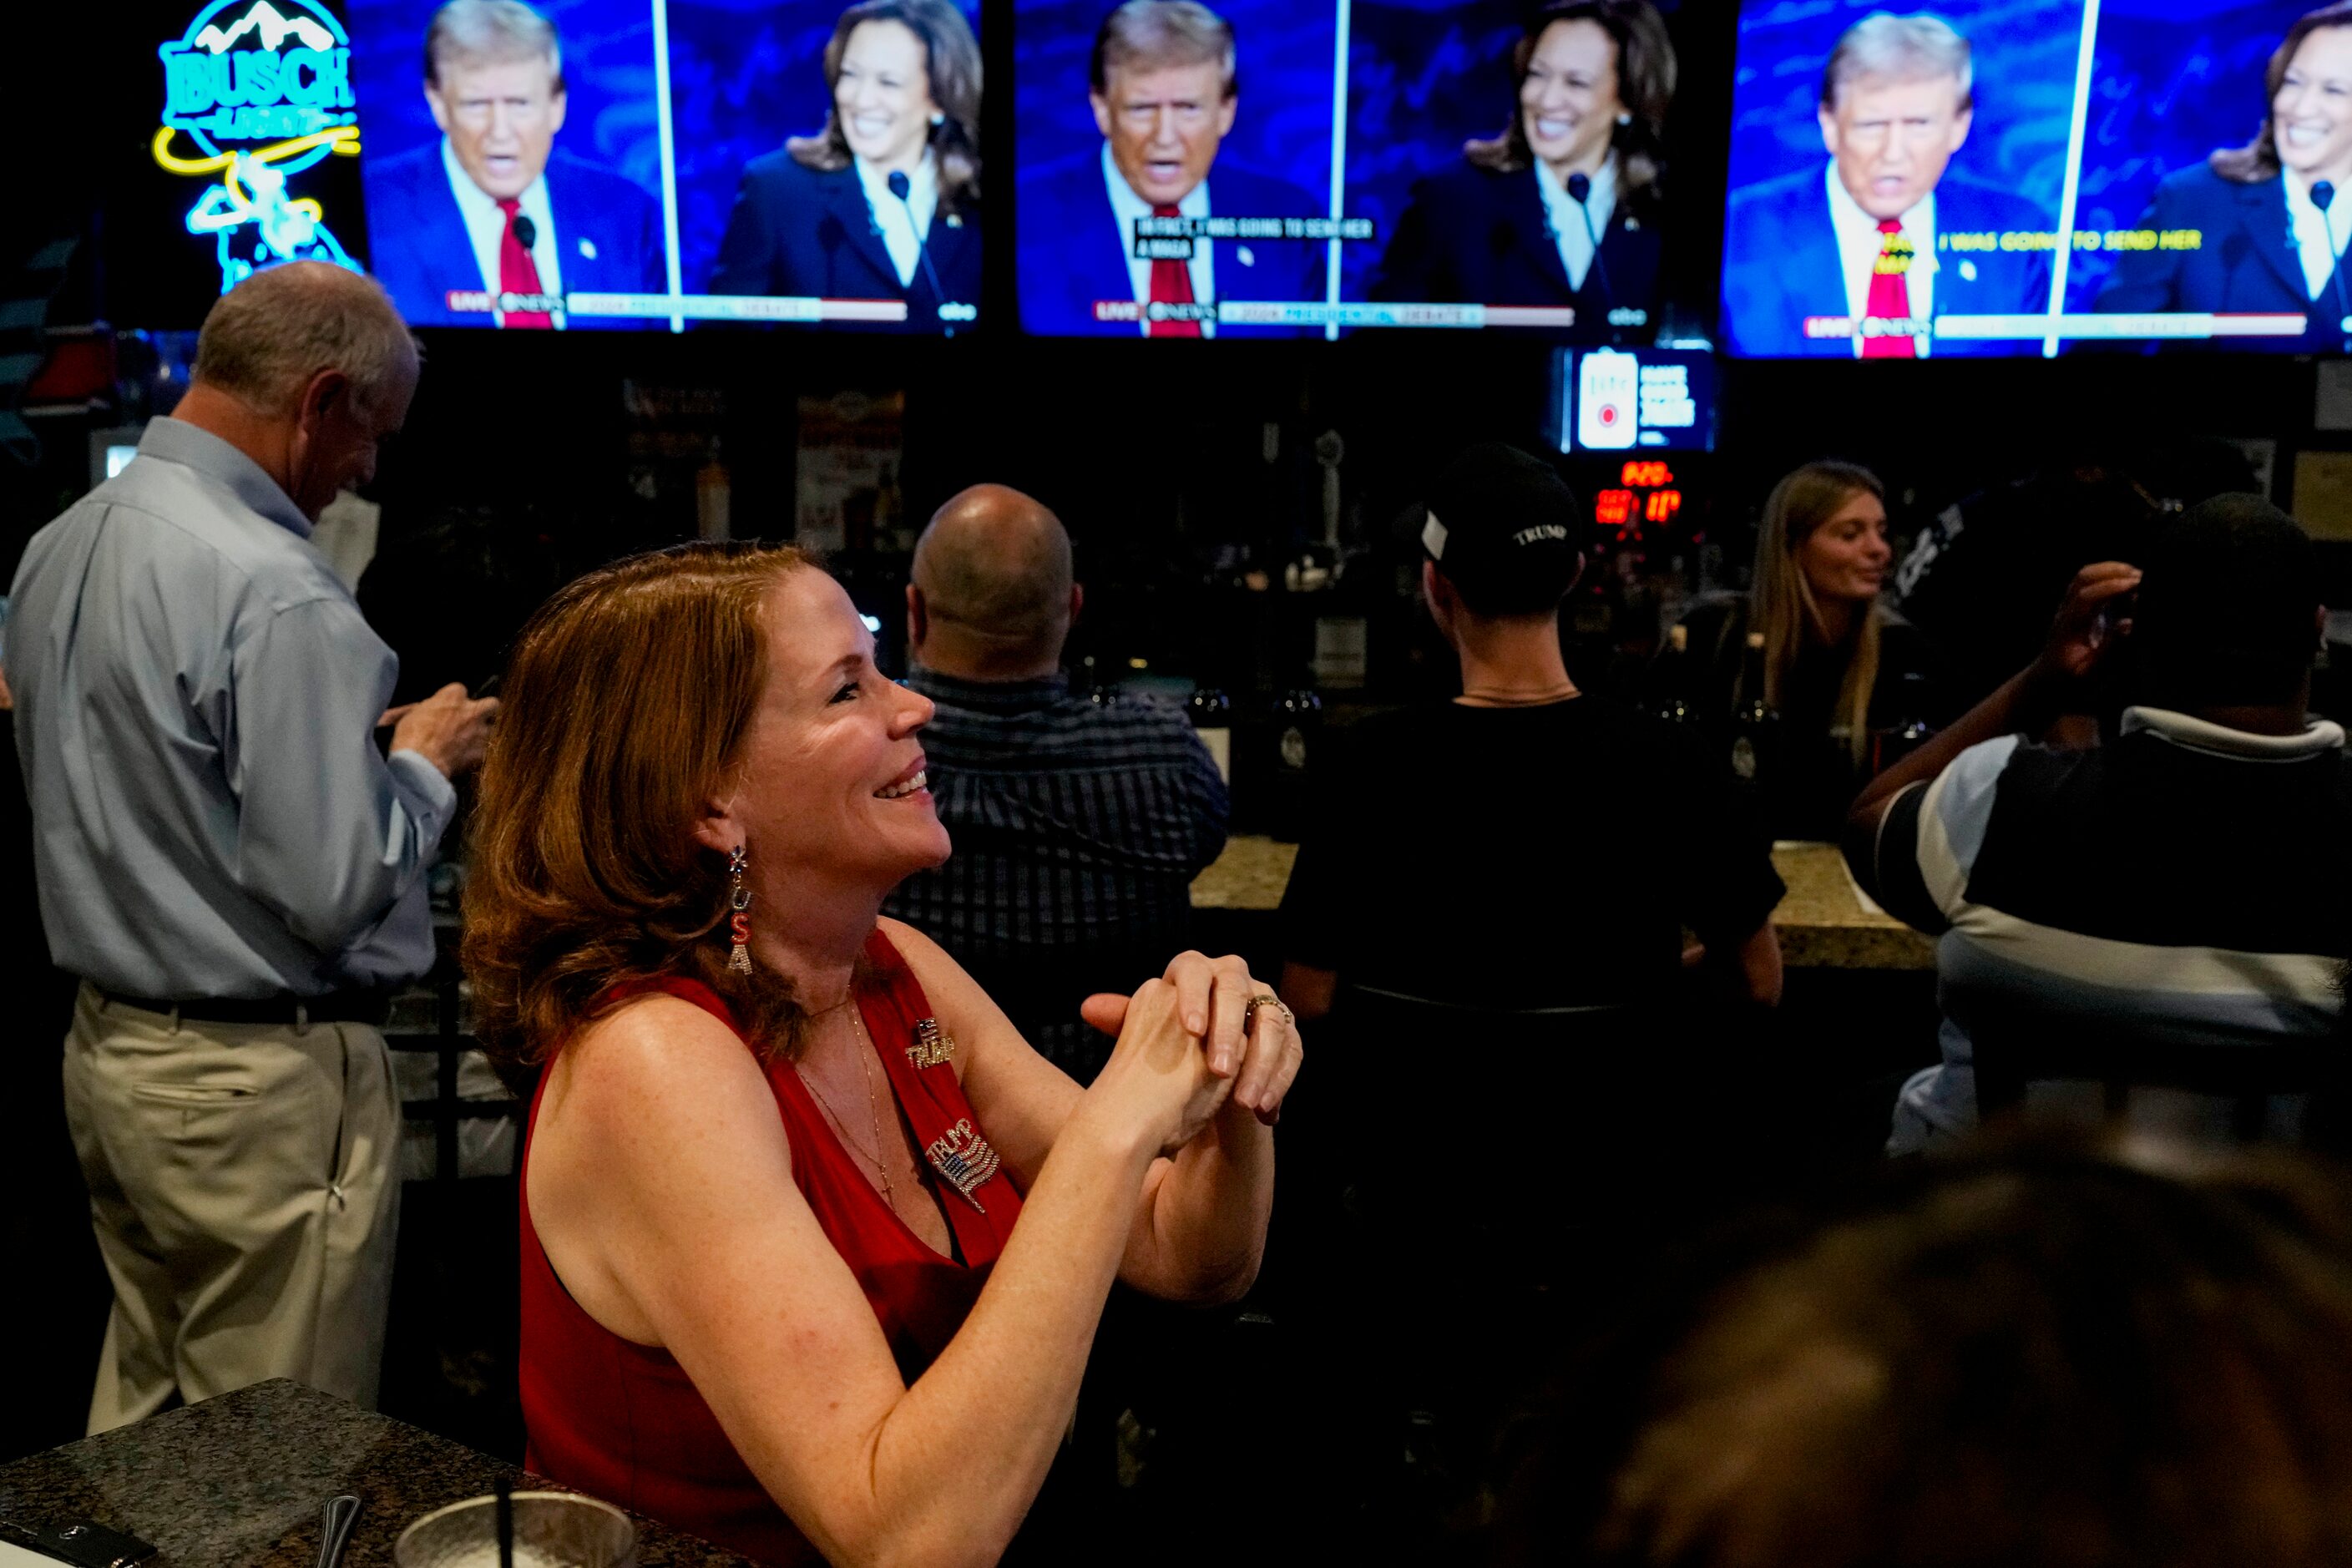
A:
(903, 188)
(526, 233)
(1579, 191)
(2322, 196)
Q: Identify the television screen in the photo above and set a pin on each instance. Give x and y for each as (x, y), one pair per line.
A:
(1257, 168)
(2038, 176)
(593, 163)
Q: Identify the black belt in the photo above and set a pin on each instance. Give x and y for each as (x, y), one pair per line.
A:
(335, 1007)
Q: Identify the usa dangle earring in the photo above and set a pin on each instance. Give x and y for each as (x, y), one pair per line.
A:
(738, 900)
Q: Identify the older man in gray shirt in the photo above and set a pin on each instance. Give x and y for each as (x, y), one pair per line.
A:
(227, 861)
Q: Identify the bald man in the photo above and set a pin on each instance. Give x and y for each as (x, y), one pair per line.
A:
(1078, 826)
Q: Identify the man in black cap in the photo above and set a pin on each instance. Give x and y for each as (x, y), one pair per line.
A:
(2181, 884)
(1524, 845)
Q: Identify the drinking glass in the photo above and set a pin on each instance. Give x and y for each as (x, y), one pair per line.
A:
(551, 1530)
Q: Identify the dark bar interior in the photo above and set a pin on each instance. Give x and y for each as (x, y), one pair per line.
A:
(1508, 909)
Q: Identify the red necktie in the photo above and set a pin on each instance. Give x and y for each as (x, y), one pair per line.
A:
(1171, 284)
(518, 274)
(1890, 293)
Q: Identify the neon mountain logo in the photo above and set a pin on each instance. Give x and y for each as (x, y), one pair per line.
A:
(262, 91)
(273, 28)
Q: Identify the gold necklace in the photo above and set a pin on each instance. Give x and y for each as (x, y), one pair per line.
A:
(1523, 698)
(873, 1107)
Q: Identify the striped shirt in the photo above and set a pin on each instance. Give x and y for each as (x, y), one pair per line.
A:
(2184, 883)
(1077, 829)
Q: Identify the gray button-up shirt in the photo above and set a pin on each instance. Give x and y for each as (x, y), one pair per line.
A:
(196, 701)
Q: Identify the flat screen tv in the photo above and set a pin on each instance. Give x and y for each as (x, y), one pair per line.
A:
(1268, 169)
(2016, 177)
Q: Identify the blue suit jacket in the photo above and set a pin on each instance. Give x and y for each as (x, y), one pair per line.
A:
(2244, 261)
(803, 231)
(1780, 265)
(1474, 235)
(1070, 253)
(609, 228)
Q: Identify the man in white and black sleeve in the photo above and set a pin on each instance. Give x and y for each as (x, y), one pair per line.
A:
(2180, 885)
(227, 859)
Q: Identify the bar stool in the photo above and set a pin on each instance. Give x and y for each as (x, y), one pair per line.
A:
(1467, 1168)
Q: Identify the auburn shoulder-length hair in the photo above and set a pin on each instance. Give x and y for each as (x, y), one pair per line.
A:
(622, 713)
(1646, 86)
(951, 61)
(2258, 159)
(1780, 601)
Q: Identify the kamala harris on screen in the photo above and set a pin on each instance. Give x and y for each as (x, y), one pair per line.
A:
(2271, 231)
(883, 202)
(1514, 222)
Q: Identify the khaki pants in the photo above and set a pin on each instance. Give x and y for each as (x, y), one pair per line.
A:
(244, 1185)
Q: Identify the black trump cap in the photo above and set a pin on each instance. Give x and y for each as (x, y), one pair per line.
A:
(1503, 528)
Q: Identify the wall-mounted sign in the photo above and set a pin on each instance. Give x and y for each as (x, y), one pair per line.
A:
(255, 93)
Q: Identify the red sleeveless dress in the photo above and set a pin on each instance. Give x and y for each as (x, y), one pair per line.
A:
(623, 1422)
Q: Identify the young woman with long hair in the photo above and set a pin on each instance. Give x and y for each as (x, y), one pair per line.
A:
(1811, 639)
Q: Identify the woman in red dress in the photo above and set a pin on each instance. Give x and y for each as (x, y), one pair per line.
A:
(814, 1244)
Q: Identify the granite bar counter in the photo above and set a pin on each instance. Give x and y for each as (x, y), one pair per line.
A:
(1823, 922)
(238, 1482)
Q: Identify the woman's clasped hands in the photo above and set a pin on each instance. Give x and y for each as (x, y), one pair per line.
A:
(1205, 1039)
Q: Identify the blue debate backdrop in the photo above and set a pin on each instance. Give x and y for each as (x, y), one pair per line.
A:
(608, 73)
(745, 76)
(601, 174)
(1421, 77)
(1424, 77)
(1283, 51)
(2025, 55)
(2171, 80)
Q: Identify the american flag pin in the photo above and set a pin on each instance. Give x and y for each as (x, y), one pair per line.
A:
(963, 1159)
(931, 1046)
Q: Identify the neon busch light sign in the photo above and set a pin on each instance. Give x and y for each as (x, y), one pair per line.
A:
(262, 91)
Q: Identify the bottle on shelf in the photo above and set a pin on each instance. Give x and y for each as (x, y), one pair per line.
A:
(1212, 712)
(1755, 724)
(1297, 740)
(1090, 679)
(1670, 696)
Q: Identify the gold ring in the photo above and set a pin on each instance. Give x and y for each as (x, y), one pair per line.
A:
(1265, 999)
